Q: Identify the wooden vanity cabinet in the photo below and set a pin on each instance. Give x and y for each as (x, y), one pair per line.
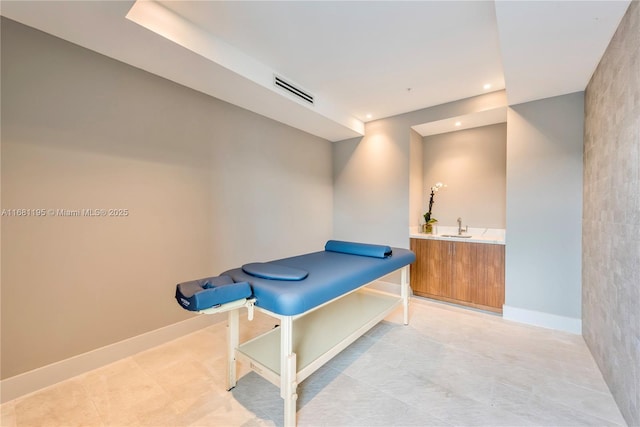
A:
(465, 273)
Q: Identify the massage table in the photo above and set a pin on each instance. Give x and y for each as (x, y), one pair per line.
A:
(320, 298)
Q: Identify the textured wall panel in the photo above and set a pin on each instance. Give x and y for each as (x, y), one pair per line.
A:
(611, 233)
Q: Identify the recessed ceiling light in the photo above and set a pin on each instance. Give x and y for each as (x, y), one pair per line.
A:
(368, 116)
(458, 123)
(487, 86)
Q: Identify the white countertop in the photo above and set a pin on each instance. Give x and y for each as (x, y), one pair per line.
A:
(478, 235)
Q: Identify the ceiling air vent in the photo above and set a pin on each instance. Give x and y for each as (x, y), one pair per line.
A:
(297, 92)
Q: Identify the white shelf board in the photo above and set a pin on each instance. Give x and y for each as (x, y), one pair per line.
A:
(322, 333)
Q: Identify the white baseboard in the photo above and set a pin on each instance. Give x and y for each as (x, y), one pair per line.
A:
(29, 382)
(545, 320)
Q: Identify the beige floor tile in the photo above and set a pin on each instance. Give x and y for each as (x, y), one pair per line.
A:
(66, 404)
(449, 366)
(190, 378)
(156, 359)
(123, 393)
(230, 413)
(8, 415)
(581, 399)
(190, 409)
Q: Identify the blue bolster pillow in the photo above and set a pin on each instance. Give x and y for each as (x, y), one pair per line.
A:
(205, 293)
(364, 249)
(267, 270)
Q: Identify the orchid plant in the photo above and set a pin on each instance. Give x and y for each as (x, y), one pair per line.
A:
(434, 190)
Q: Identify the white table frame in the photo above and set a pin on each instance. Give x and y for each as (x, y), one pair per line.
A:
(272, 355)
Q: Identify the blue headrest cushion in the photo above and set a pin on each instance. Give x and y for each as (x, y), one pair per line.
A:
(211, 291)
(364, 249)
(267, 270)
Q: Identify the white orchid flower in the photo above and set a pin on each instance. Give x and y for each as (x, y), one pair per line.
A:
(437, 186)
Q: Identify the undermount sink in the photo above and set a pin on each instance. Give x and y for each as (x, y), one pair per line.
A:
(464, 236)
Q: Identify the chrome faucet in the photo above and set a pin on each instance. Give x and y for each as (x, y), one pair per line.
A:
(460, 230)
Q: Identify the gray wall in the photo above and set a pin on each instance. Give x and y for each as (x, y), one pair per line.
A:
(371, 186)
(374, 197)
(544, 206)
(472, 162)
(611, 229)
(207, 185)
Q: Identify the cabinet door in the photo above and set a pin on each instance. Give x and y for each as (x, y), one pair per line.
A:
(438, 277)
(488, 288)
(430, 274)
(419, 268)
(464, 269)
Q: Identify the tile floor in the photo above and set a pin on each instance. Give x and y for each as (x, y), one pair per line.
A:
(450, 366)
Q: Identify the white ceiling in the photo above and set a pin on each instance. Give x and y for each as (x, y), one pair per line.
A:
(468, 121)
(356, 58)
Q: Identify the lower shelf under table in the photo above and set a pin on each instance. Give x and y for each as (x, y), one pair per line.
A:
(320, 334)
